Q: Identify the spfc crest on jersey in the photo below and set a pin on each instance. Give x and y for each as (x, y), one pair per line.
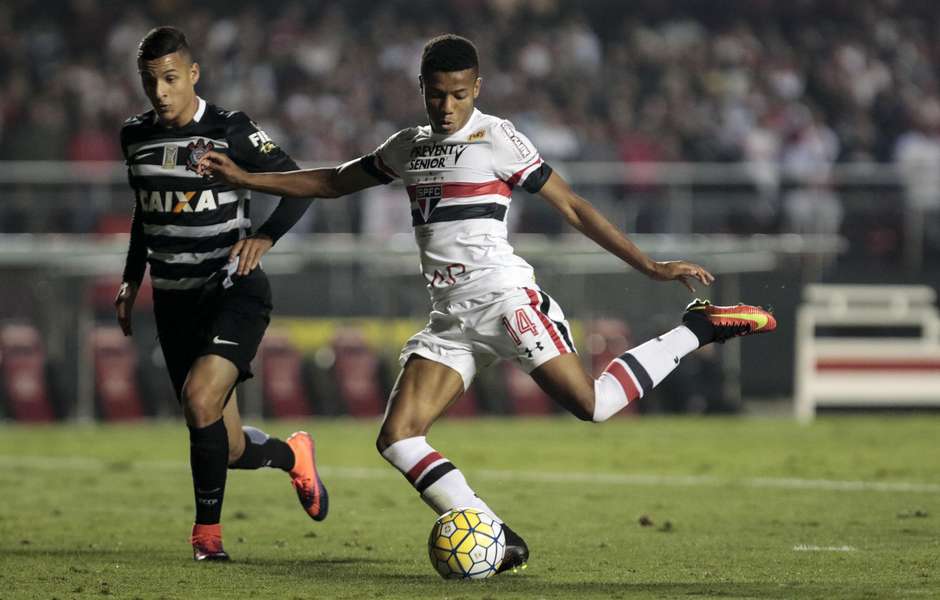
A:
(427, 197)
(196, 151)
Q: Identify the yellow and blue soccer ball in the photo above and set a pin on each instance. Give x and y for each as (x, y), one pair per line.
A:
(466, 543)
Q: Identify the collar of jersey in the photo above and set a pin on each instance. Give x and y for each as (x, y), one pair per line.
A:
(200, 110)
(197, 116)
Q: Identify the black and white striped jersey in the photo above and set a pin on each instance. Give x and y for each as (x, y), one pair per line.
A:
(184, 225)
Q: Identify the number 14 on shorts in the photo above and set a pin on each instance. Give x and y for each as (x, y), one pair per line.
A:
(521, 324)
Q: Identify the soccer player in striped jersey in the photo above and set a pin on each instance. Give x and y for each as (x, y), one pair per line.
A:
(459, 172)
(210, 319)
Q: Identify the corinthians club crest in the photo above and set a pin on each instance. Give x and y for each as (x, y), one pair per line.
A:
(196, 151)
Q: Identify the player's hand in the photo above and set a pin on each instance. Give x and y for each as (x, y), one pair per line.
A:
(249, 250)
(124, 304)
(683, 272)
(220, 167)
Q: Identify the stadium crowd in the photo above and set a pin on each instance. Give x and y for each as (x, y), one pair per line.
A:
(790, 87)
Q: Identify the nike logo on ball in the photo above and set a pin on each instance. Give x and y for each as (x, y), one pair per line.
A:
(218, 340)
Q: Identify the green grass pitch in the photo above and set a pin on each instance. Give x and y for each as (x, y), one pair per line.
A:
(634, 508)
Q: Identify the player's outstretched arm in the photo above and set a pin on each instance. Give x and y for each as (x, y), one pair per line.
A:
(586, 219)
(305, 183)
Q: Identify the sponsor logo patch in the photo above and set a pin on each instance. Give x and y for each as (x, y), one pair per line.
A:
(262, 141)
(177, 201)
(169, 156)
(522, 149)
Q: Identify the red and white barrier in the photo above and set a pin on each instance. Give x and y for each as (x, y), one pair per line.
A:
(872, 370)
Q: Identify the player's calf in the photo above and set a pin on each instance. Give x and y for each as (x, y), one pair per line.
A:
(258, 450)
(634, 373)
(439, 482)
(566, 382)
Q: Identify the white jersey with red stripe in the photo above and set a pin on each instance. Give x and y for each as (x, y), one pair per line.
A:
(460, 186)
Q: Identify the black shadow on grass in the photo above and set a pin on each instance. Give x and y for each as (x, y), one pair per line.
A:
(86, 553)
(594, 589)
(319, 567)
(292, 562)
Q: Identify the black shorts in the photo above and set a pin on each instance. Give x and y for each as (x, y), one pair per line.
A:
(213, 320)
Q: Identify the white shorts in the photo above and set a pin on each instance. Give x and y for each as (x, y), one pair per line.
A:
(524, 324)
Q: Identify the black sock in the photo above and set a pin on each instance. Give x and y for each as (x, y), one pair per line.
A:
(261, 450)
(701, 327)
(208, 458)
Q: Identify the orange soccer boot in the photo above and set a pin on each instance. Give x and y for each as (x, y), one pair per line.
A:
(731, 321)
(310, 489)
(207, 542)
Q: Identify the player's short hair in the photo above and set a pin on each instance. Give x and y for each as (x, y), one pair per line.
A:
(448, 52)
(161, 41)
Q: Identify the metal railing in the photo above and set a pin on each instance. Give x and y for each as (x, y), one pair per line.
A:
(49, 275)
(673, 198)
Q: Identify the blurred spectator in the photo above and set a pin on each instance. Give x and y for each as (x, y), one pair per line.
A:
(918, 159)
(790, 87)
(700, 80)
(813, 209)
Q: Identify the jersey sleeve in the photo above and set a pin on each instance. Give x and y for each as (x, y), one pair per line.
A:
(516, 160)
(135, 262)
(253, 149)
(383, 162)
(124, 141)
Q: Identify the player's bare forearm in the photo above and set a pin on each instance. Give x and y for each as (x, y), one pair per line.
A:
(581, 215)
(594, 225)
(586, 219)
(304, 183)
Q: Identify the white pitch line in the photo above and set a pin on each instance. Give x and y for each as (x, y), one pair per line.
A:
(566, 477)
(811, 548)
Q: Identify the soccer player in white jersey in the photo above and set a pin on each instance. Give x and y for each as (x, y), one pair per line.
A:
(460, 171)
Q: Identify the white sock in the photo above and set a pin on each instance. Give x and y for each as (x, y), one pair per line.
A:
(441, 485)
(637, 371)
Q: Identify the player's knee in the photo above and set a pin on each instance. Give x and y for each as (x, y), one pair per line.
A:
(393, 432)
(386, 438)
(585, 413)
(581, 404)
(202, 404)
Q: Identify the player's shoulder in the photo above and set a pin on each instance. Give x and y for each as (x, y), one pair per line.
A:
(404, 137)
(488, 121)
(500, 127)
(144, 119)
(503, 134)
(138, 128)
(231, 120)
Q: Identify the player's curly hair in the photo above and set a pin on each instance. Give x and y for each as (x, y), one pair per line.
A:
(448, 52)
(161, 41)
